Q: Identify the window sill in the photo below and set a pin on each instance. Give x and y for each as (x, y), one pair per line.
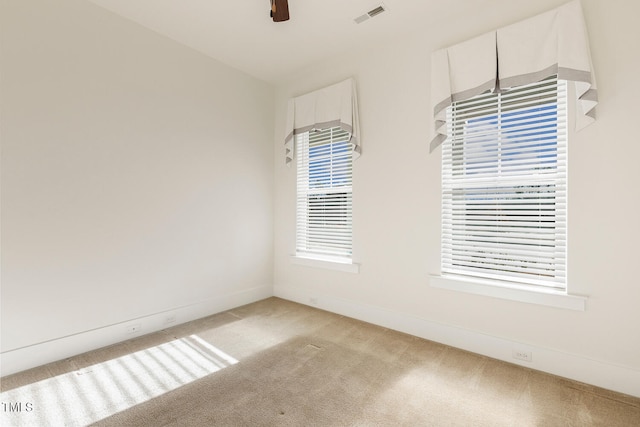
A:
(487, 288)
(329, 264)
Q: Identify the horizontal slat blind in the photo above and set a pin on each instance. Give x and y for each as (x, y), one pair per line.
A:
(324, 216)
(504, 186)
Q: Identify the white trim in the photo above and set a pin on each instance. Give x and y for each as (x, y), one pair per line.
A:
(19, 359)
(516, 292)
(337, 264)
(607, 375)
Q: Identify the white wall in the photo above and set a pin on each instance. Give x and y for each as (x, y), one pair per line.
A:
(137, 181)
(397, 206)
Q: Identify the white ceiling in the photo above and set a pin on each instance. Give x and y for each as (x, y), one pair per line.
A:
(241, 34)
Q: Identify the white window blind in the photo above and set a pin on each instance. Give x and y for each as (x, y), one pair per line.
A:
(323, 217)
(504, 186)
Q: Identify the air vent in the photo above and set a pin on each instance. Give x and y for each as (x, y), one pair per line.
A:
(373, 12)
(377, 11)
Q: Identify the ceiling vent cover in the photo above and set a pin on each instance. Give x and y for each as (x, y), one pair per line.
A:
(373, 12)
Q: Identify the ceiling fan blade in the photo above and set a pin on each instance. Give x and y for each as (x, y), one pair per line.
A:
(279, 10)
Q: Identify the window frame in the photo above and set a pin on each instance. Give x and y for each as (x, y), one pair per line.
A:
(519, 290)
(324, 221)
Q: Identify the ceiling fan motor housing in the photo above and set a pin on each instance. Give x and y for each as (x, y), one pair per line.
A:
(279, 10)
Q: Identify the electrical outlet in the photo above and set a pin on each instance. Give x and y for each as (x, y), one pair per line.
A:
(520, 354)
(313, 301)
(132, 329)
(170, 319)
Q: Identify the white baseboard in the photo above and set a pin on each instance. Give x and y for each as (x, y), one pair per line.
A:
(579, 368)
(17, 360)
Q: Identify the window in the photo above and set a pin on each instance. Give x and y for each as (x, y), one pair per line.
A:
(323, 217)
(504, 186)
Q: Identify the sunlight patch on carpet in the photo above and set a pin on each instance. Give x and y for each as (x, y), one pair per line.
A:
(93, 393)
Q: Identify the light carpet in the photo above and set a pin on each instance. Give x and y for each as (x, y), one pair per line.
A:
(278, 363)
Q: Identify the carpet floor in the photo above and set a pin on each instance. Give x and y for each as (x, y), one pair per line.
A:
(278, 363)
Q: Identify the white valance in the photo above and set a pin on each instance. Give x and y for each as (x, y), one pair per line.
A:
(333, 106)
(555, 42)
